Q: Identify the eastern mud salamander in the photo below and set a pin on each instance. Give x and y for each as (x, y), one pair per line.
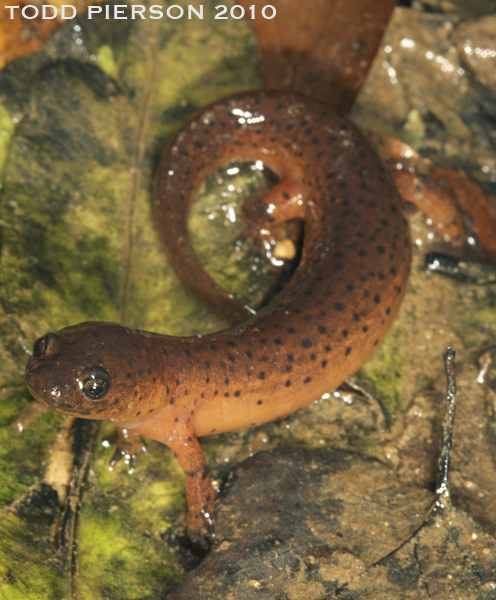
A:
(331, 315)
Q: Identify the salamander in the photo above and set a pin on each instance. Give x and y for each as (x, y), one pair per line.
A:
(329, 318)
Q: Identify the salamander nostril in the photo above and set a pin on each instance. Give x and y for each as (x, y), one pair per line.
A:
(48, 344)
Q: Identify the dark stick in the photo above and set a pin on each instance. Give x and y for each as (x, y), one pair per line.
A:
(442, 489)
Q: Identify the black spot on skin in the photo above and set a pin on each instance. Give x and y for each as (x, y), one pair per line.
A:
(388, 310)
(288, 369)
(392, 270)
(261, 375)
(249, 354)
(165, 351)
(237, 393)
(187, 352)
(263, 340)
(327, 348)
(226, 380)
(306, 343)
(324, 363)
(230, 358)
(176, 419)
(232, 344)
(362, 252)
(259, 402)
(291, 330)
(278, 341)
(321, 329)
(377, 299)
(348, 351)
(207, 380)
(356, 317)
(307, 380)
(213, 347)
(171, 401)
(226, 394)
(289, 357)
(339, 307)
(288, 383)
(365, 329)
(312, 356)
(207, 364)
(345, 333)
(381, 249)
(350, 287)
(149, 371)
(129, 375)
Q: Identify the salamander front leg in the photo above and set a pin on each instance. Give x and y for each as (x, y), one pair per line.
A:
(127, 445)
(199, 491)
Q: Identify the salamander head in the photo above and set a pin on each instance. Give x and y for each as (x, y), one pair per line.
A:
(89, 370)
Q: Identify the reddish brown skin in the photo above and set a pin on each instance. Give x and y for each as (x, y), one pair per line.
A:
(334, 311)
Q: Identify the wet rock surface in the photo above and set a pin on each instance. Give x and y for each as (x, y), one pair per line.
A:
(299, 523)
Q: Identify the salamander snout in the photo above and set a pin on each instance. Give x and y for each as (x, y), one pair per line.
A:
(47, 345)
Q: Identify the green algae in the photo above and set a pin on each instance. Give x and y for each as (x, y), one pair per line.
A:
(26, 571)
(106, 61)
(21, 454)
(110, 547)
(6, 132)
(382, 375)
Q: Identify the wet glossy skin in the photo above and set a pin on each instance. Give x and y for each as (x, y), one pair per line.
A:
(339, 303)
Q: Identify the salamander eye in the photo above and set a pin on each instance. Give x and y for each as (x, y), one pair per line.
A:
(96, 384)
(46, 345)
